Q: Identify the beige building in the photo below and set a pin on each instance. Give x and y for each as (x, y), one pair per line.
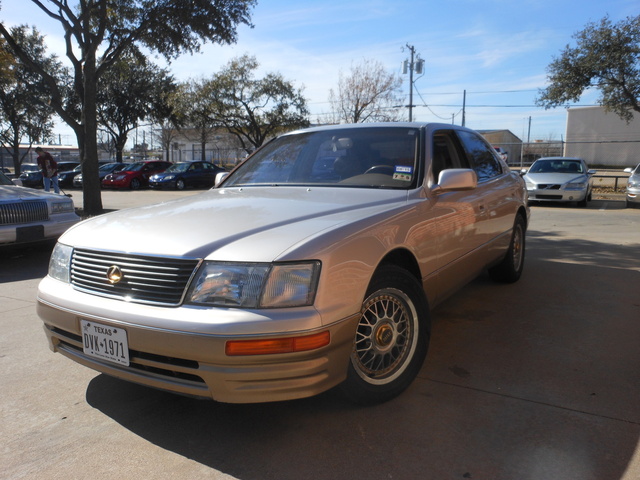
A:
(506, 141)
(602, 138)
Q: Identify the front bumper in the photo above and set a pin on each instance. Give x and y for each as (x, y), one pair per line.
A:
(192, 361)
(633, 196)
(556, 195)
(163, 184)
(48, 230)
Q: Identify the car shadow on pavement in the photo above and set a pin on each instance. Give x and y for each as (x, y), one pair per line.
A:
(536, 380)
(25, 262)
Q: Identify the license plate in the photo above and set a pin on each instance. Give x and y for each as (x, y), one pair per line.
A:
(29, 234)
(105, 342)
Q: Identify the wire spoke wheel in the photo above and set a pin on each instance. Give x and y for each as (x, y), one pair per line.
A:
(390, 338)
(385, 336)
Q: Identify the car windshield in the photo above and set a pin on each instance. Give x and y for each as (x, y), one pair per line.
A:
(113, 167)
(4, 180)
(557, 166)
(178, 167)
(135, 167)
(358, 157)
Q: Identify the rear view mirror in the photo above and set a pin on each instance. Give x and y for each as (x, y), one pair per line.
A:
(456, 179)
(220, 177)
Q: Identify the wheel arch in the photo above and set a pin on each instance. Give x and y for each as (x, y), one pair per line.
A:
(402, 257)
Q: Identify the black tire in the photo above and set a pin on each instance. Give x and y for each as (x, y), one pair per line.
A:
(583, 203)
(135, 184)
(510, 268)
(391, 338)
(180, 184)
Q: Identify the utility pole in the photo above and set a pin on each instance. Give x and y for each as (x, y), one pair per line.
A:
(410, 66)
(464, 109)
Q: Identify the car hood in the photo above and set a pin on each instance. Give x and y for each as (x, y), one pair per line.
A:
(556, 178)
(250, 224)
(14, 192)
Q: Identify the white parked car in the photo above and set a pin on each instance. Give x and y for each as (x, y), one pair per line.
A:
(559, 179)
(633, 186)
(28, 215)
(315, 263)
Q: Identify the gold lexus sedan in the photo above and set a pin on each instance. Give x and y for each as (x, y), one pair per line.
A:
(315, 263)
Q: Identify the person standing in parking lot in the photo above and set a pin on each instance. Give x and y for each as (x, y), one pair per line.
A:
(49, 169)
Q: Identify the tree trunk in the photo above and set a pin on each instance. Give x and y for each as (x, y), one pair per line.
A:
(89, 150)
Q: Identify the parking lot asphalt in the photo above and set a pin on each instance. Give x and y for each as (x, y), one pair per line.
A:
(538, 380)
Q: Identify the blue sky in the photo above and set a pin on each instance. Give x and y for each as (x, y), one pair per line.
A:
(496, 50)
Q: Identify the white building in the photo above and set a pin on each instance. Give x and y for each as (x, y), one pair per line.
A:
(602, 138)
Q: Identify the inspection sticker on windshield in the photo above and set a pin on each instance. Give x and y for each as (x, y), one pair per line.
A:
(403, 173)
(105, 342)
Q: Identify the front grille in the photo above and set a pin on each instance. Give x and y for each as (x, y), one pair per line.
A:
(17, 213)
(549, 197)
(549, 186)
(145, 279)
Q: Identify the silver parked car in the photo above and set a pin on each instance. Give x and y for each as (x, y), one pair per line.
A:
(633, 186)
(28, 215)
(559, 179)
(315, 263)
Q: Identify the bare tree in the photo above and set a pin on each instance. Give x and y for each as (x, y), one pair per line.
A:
(367, 94)
(255, 109)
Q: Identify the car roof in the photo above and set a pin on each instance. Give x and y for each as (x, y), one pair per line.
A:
(560, 158)
(349, 126)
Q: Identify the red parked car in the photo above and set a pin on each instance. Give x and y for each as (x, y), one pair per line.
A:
(135, 176)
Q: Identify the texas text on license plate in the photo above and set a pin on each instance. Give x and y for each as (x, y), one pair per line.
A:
(105, 342)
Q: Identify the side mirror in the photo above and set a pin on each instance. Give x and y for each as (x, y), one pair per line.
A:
(524, 171)
(591, 172)
(456, 179)
(220, 177)
(628, 170)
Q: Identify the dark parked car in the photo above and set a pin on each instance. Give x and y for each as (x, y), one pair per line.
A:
(65, 179)
(135, 176)
(186, 174)
(33, 177)
(104, 170)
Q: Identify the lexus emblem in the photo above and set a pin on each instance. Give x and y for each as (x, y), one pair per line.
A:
(114, 274)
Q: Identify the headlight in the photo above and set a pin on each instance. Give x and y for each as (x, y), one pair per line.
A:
(633, 184)
(169, 177)
(256, 285)
(576, 186)
(62, 207)
(60, 262)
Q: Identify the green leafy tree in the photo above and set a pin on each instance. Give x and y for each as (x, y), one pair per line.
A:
(132, 90)
(367, 94)
(196, 113)
(99, 32)
(255, 109)
(25, 116)
(606, 57)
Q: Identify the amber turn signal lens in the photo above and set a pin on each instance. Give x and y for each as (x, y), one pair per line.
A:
(277, 345)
